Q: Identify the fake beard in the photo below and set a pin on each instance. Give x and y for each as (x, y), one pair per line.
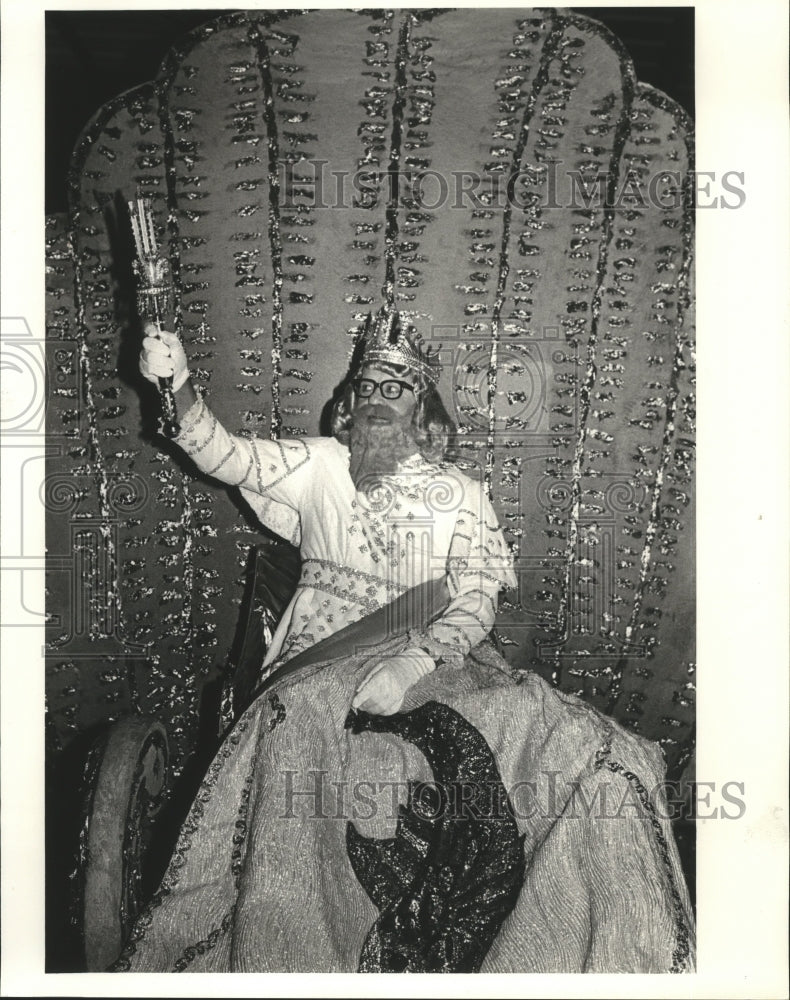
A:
(377, 447)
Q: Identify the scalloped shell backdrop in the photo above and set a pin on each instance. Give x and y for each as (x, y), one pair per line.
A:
(501, 177)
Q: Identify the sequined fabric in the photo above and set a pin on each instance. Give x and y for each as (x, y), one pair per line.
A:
(261, 879)
(454, 869)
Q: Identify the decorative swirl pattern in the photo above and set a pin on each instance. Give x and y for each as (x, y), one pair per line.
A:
(61, 493)
(377, 494)
(444, 494)
(127, 493)
(625, 496)
(554, 494)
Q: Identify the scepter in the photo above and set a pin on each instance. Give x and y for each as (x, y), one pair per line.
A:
(154, 293)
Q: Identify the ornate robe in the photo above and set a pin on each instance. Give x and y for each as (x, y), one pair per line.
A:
(361, 551)
(494, 824)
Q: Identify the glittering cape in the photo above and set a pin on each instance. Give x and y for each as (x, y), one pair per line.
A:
(494, 824)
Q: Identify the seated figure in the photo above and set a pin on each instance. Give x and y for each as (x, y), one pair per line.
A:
(396, 798)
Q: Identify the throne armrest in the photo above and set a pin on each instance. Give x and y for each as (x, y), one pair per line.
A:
(273, 573)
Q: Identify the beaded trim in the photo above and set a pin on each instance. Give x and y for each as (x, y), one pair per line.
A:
(189, 829)
(211, 435)
(682, 950)
(360, 574)
(264, 488)
(342, 583)
(228, 455)
(192, 417)
(191, 952)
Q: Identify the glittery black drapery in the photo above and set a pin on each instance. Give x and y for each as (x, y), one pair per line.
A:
(453, 872)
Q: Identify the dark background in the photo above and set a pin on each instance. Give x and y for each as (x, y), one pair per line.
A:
(91, 56)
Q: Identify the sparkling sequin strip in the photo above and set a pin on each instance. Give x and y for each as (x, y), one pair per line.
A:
(70, 499)
(666, 518)
(155, 542)
(263, 58)
(393, 178)
(182, 590)
(192, 84)
(621, 130)
(473, 373)
(607, 496)
(369, 230)
(131, 119)
(548, 55)
(415, 147)
(82, 254)
(228, 81)
(519, 85)
(288, 124)
(91, 191)
(636, 315)
(194, 951)
(536, 233)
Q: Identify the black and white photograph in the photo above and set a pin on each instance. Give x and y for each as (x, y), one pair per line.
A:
(380, 578)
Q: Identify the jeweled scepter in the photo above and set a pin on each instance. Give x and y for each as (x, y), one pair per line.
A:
(154, 293)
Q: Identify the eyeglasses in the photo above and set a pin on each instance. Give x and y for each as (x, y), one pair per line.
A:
(390, 388)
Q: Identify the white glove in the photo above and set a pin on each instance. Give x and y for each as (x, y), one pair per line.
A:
(385, 686)
(162, 355)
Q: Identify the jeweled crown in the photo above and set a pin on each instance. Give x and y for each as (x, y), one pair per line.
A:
(386, 338)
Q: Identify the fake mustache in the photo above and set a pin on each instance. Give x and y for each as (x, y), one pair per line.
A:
(369, 410)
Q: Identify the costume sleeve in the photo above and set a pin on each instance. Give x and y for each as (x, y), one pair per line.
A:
(479, 565)
(272, 470)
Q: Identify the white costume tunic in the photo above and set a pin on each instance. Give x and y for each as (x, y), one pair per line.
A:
(361, 551)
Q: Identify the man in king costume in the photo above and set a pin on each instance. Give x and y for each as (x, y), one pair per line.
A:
(395, 798)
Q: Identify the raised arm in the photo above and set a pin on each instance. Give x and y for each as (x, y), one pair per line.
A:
(273, 470)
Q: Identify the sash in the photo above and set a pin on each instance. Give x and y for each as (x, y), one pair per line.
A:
(414, 609)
